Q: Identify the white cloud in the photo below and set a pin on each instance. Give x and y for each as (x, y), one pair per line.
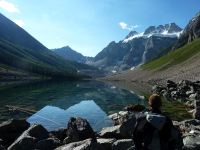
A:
(19, 22)
(10, 7)
(125, 26)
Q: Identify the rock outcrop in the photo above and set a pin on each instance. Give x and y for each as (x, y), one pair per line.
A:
(78, 129)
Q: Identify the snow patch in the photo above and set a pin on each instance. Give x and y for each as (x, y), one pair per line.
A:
(114, 71)
(132, 68)
(165, 33)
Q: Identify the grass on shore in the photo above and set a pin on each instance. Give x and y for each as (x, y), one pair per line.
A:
(174, 57)
(174, 109)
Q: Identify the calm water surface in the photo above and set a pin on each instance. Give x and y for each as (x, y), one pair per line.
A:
(56, 102)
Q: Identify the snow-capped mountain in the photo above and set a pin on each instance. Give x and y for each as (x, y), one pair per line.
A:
(167, 30)
(138, 48)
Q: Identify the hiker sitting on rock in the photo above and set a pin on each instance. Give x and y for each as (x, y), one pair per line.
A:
(154, 130)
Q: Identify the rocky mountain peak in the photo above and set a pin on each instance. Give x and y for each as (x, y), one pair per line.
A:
(150, 30)
(173, 27)
(167, 28)
(132, 33)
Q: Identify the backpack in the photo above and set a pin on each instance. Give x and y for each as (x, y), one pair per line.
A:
(155, 132)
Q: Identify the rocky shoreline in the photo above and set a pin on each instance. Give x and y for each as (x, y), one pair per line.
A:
(185, 91)
(79, 135)
(20, 135)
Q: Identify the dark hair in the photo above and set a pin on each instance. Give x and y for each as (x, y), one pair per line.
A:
(155, 101)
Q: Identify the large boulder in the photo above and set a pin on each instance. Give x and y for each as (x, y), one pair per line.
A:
(50, 144)
(29, 138)
(11, 130)
(123, 130)
(106, 143)
(111, 132)
(23, 143)
(78, 129)
(88, 144)
(119, 117)
(123, 144)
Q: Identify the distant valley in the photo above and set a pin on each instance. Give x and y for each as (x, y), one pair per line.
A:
(23, 57)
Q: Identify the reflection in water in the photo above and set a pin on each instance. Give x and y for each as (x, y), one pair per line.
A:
(53, 117)
(64, 96)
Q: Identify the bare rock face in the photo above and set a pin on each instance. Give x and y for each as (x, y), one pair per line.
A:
(191, 32)
(11, 130)
(78, 129)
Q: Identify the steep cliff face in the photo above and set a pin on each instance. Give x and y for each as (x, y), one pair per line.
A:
(191, 32)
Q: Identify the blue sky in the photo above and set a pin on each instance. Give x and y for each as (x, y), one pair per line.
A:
(90, 25)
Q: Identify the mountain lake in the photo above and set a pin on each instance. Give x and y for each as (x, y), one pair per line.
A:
(52, 103)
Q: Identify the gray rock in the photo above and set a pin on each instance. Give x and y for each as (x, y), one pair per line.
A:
(171, 84)
(125, 130)
(123, 144)
(190, 123)
(188, 93)
(50, 144)
(193, 96)
(111, 132)
(79, 129)
(127, 127)
(11, 130)
(29, 138)
(38, 132)
(106, 143)
(197, 109)
(87, 144)
(60, 134)
(119, 117)
(192, 142)
(157, 89)
(23, 143)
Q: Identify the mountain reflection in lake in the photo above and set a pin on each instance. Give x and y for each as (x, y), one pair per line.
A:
(53, 117)
(66, 98)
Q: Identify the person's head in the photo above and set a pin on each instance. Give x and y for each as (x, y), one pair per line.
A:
(155, 101)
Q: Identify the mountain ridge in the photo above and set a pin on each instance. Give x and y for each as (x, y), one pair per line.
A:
(22, 54)
(137, 48)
